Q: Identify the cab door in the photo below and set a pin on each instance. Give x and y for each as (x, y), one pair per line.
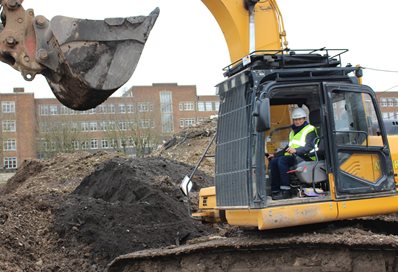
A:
(361, 159)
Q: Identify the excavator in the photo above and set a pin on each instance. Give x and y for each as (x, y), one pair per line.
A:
(353, 174)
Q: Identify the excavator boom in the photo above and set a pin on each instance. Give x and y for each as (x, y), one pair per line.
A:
(84, 61)
(237, 20)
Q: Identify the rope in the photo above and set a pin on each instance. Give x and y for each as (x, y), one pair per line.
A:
(380, 70)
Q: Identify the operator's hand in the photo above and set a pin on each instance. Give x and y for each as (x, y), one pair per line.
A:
(270, 156)
(291, 150)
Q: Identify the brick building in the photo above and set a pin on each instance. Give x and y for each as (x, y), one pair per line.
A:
(17, 128)
(132, 123)
(388, 102)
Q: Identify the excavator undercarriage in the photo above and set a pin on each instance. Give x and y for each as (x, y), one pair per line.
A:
(351, 245)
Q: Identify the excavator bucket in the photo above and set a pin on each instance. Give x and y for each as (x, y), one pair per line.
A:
(84, 61)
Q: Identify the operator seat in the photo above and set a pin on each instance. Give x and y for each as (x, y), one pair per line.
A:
(309, 172)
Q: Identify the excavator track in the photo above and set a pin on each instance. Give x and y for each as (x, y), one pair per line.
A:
(351, 245)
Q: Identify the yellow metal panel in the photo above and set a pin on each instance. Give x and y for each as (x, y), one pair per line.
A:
(243, 218)
(332, 186)
(294, 215)
(286, 216)
(208, 191)
(365, 166)
(233, 20)
(207, 198)
(367, 207)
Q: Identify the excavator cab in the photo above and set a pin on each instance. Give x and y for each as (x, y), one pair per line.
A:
(84, 61)
(353, 165)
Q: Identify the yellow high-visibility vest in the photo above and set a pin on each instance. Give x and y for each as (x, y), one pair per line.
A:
(298, 140)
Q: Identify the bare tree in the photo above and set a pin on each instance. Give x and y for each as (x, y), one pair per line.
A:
(132, 131)
(63, 136)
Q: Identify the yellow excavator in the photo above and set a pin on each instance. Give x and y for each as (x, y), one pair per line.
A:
(352, 175)
(85, 61)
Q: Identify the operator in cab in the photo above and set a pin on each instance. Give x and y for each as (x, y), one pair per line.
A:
(301, 142)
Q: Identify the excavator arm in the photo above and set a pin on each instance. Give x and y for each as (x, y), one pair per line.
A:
(85, 61)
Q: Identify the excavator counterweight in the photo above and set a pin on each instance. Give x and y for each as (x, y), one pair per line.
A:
(84, 61)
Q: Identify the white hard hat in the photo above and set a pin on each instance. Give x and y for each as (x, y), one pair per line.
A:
(299, 113)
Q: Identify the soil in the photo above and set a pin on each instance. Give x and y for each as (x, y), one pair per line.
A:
(189, 145)
(77, 212)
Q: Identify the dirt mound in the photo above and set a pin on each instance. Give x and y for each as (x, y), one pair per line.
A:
(77, 211)
(128, 205)
(27, 202)
(188, 146)
(62, 173)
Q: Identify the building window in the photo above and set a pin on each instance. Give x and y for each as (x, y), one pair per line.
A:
(383, 102)
(130, 108)
(65, 110)
(144, 107)
(102, 126)
(114, 143)
(122, 108)
(216, 106)
(10, 145)
(53, 109)
(10, 163)
(390, 102)
(146, 123)
(9, 125)
(187, 122)
(186, 106)
(111, 126)
(123, 126)
(75, 145)
(94, 144)
(8, 106)
(101, 109)
(43, 110)
(110, 108)
(208, 106)
(201, 106)
(74, 126)
(166, 110)
(93, 126)
(84, 145)
(85, 126)
(104, 143)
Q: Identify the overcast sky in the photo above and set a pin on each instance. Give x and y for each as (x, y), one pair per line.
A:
(186, 45)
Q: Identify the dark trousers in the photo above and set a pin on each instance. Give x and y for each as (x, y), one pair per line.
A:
(279, 176)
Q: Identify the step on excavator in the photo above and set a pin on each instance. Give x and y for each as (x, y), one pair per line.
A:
(353, 172)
